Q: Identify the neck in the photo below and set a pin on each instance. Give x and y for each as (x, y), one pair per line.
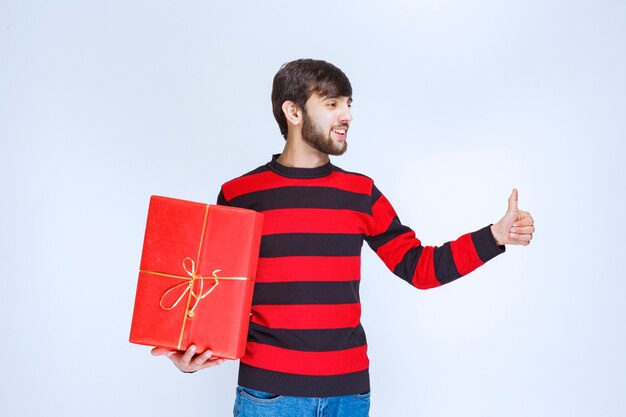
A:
(299, 154)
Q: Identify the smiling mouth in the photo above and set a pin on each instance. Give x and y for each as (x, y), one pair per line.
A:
(340, 132)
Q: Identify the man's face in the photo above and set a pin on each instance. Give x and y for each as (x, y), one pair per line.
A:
(325, 123)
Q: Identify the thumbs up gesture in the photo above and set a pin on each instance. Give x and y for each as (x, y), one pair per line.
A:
(516, 227)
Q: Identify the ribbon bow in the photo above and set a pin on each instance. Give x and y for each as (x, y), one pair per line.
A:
(190, 287)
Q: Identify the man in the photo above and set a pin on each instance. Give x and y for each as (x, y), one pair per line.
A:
(306, 349)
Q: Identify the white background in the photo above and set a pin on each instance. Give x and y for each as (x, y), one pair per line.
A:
(455, 103)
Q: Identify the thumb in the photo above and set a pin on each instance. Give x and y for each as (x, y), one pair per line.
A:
(513, 200)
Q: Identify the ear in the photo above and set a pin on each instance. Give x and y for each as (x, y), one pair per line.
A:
(293, 113)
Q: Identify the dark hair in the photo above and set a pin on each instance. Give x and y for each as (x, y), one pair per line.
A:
(297, 80)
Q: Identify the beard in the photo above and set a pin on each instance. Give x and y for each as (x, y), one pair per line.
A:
(315, 137)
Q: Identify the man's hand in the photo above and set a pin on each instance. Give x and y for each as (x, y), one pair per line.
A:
(516, 227)
(188, 361)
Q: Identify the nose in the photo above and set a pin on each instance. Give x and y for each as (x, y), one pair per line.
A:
(346, 114)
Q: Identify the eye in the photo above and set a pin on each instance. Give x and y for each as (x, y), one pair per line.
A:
(331, 104)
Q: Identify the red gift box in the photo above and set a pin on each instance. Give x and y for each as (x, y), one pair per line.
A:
(196, 277)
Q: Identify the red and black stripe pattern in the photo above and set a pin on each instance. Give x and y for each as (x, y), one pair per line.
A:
(305, 335)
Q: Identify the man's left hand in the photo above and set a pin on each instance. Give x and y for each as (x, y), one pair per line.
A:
(516, 227)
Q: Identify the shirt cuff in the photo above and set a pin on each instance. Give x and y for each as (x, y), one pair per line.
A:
(485, 244)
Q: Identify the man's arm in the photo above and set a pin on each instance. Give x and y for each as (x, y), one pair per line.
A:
(431, 266)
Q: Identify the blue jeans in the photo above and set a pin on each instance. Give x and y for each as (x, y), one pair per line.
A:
(253, 403)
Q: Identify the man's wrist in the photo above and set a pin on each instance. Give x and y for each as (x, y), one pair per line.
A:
(496, 235)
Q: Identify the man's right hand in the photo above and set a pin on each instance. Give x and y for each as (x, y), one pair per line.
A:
(188, 361)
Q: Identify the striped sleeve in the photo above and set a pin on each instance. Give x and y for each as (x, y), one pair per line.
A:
(425, 266)
(221, 200)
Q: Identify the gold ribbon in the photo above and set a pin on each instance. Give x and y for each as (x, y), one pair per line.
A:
(189, 283)
(190, 287)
